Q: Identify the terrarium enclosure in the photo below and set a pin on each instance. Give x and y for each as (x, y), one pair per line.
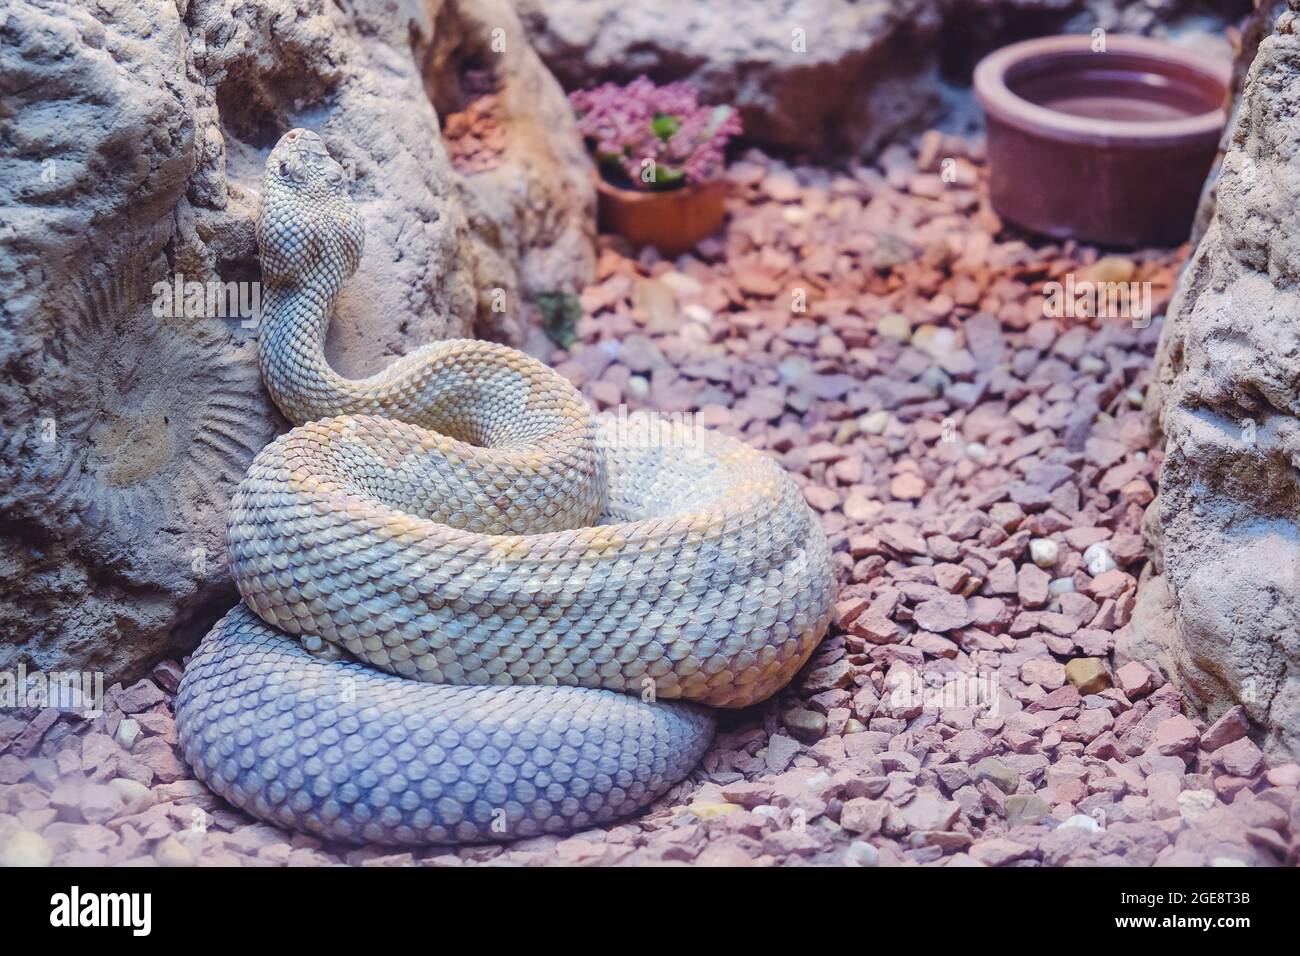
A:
(854, 433)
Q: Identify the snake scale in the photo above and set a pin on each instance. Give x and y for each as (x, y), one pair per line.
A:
(473, 610)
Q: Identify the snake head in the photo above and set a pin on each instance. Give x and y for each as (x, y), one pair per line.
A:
(307, 222)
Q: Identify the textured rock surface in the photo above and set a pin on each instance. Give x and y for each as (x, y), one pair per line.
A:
(1224, 523)
(1255, 27)
(821, 75)
(134, 133)
(808, 74)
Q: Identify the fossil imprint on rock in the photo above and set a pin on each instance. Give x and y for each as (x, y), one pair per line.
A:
(533, 608)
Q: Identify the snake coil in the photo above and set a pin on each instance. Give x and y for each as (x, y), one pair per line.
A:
(471, 609)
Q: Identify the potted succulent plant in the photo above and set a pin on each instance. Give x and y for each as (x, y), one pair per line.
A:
(659, 157)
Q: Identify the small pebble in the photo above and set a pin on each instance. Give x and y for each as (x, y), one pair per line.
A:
(1098, 560)
(896, 327)
(860, 853)
(25, 848)
(875, 423)
(1043, 552)
(128, 732)
(171, 852)
(1082, 821)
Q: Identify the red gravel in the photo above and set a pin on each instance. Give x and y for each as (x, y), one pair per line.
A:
(883, 337)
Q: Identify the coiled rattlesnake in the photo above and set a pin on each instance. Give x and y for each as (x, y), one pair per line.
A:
(521, 587)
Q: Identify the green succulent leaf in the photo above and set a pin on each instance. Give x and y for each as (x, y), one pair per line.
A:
(560, 314)
(665, 125)
(667, 177)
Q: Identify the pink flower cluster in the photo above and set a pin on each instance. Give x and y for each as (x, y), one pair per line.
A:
(627, 126)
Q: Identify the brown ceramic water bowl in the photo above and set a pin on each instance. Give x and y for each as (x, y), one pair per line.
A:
(1106, 147)
(672, 221)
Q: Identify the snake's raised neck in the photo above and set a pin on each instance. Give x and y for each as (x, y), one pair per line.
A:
(305, 209)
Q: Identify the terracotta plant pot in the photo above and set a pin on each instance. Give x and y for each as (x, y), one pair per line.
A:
(1106, 147)
(672, 221)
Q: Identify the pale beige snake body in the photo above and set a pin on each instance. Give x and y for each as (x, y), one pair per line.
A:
(523, 587)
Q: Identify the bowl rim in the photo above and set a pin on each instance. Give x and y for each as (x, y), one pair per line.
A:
(1000, 103)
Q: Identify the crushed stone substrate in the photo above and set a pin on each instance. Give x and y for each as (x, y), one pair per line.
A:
(981, 470)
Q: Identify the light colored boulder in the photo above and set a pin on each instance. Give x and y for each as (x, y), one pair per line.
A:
(136, 132)
(1228, 406)
(805, 74)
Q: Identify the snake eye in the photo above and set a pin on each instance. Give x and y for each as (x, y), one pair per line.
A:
(284, 168)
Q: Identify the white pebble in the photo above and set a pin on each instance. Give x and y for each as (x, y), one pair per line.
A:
(875, 423)
(896, 327)
(1082, 821)
(816, 780)
(935, 341)
(25, 848)
(128, 732)
(1043, 552)
(698, 313)
(1194, 804)
(1061, 586)
(1098, 559)
(638, 386)
(861, 853)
